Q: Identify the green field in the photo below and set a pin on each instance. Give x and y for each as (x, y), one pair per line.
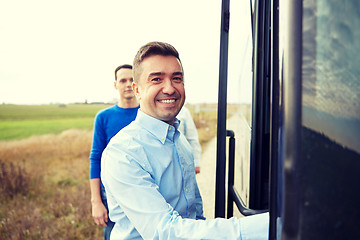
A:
(22, 121)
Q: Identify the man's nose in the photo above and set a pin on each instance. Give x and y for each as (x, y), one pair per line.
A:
(168, 87)
(129, 83)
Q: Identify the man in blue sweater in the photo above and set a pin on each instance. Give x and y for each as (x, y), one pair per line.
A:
(107, 123)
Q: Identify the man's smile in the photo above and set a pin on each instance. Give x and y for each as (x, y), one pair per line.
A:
(167, 100)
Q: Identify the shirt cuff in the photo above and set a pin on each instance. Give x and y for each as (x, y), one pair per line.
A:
(255, 227)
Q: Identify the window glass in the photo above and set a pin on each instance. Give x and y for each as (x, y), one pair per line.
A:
(330, 160)
(331, 86)
(240, 91)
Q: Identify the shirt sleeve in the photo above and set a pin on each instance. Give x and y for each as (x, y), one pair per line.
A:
(192, 136)
(199, 204)
(132, 188)
(98, 146)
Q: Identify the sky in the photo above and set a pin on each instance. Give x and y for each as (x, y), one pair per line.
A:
(66, 51)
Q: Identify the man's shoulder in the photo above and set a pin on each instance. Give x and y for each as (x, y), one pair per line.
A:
(115, 112)
(129, 132)
(106, 111)
(129, 140)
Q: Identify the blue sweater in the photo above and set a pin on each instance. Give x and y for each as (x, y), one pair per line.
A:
(108, 122)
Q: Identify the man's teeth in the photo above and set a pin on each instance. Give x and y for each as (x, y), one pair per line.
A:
(168, 101)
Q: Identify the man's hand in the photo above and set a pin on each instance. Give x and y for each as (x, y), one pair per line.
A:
(99, 213)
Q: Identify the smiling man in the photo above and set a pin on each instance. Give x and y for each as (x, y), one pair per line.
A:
(148, 167)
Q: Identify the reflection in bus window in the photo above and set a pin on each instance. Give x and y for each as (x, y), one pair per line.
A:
(330, 118)
(331, 78)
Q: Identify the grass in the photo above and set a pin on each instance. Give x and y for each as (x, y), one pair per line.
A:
(27, 112)
(44, 190)
(21, 121)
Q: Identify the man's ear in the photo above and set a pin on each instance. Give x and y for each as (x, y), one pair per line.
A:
(135, 88)
(115, 85)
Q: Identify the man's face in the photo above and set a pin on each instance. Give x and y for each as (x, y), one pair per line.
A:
(123, 83)
(160, 87)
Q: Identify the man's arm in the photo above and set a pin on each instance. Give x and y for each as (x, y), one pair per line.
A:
(99, 212)
(131, 186)
(199, 204)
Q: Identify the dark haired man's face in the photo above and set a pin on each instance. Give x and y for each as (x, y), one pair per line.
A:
(160, 88)
(123, 83)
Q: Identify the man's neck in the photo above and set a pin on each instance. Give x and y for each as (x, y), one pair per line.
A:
(128, 103)
(170, 122)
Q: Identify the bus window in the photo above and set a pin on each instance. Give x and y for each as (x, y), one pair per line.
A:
(331, 118)
(240, 92)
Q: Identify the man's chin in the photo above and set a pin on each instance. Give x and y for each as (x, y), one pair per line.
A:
(168, 118)
(129, 96)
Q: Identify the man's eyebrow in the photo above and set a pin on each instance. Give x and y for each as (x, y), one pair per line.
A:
(153, 74)
(178, 73)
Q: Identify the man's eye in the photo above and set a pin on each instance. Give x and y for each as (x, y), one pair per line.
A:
(155, 79)
(177, 79)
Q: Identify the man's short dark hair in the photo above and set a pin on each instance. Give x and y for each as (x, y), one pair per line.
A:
(128, 66)
(151, 49)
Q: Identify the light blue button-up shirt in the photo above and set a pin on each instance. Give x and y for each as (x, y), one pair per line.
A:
(149, 177)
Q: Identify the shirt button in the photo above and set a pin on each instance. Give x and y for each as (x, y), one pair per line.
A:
(162, 139)
(182, 166)
(189, 214)
(187, 190)
(170, 128)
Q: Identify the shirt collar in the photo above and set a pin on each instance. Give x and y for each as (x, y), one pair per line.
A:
(155, 126)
